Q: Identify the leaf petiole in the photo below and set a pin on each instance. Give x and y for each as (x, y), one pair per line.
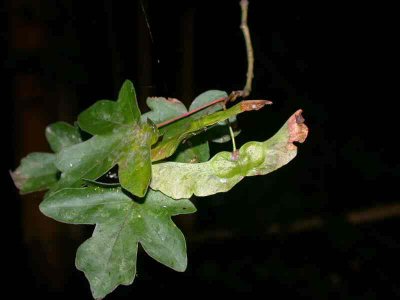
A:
(231, 133)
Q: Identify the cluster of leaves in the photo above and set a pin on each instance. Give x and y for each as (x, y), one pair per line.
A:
(157, 162)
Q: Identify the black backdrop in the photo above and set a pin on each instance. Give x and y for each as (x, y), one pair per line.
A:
(332, 60)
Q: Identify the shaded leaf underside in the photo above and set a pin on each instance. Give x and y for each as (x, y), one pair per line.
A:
(224, 170)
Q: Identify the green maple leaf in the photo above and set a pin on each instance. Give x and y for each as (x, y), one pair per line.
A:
(37, 171)
(108, 258)
(163, 109)
(205, 98)
(119, 137)
(224, 170)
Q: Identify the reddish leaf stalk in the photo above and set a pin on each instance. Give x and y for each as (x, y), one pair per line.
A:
(191, 112)
(247, 105)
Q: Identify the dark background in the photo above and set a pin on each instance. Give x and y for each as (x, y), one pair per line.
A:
(297, 232)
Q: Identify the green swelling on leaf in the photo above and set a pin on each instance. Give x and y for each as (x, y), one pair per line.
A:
(108, 258)
(224, 170)
(37, 171)
(120, 137)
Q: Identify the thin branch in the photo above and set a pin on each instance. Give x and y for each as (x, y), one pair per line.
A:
(244, 4)
(249, 48)
(250, 73)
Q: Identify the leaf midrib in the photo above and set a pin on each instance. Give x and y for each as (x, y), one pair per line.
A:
(91, 204)
(112, 248)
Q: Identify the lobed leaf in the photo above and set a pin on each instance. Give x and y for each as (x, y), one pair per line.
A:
(90, 159)
(129, 147)
(37, 171)
(108, 258)
(105, 115)
(120, 137)
(224, 170)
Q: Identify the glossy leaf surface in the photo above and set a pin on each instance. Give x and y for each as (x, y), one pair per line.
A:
(108, 258)
(119, 138)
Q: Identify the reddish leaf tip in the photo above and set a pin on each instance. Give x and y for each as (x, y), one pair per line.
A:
(249, 105)
(298, 131)
(174, 100)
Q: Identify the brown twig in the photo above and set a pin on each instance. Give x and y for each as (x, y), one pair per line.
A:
(250, 71)
(244, 4)
(249, 48)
